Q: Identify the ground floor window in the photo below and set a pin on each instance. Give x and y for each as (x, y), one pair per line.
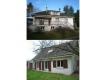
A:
(46, 64)
(52, 27)
(60, 63)
(65, 64)
(42, 28)
(37, 64)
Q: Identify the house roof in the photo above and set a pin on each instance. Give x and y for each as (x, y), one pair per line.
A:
(50, 16)
(45, 12)
(61, 50)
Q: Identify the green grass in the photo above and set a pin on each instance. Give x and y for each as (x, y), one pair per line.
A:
(37, 75)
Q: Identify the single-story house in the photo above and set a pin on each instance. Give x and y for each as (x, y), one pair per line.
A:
(49, 20)
(56, 59)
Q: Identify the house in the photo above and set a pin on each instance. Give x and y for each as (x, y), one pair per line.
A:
(49, 20)
(55, 59)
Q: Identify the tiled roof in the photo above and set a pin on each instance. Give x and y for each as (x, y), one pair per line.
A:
(55, 51)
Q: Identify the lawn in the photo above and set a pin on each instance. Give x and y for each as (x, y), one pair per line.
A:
(37, 75)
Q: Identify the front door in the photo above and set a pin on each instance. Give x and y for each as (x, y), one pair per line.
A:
(49, 65)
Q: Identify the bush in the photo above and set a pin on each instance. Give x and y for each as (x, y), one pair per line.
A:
(58, 33)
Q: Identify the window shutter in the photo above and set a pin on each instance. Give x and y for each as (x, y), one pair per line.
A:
(65, 64)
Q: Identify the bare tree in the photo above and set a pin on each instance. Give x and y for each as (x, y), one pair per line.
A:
(43, 44)
(71, 46)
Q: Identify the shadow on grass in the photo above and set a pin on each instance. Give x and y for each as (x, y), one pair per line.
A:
(55, 34)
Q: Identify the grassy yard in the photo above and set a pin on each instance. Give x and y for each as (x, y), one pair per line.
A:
(37, 75)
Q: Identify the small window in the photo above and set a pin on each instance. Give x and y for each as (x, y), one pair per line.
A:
(58, 63)
(50, 51)
(54, 64)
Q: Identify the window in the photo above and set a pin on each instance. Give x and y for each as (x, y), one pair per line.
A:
(46, 64)
(52, 27)
(41, 22)
(58, 63)
(50, 51)
(65, 64)
(57, 19)
(42, 28)
(62, 63)
(54, 64)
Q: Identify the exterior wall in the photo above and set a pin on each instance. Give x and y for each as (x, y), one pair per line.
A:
(63, 22)
(62, 70)
(55, 13)
(32, 64)
(71, 66)
(55, 22)
(70, 23)
(67, 71)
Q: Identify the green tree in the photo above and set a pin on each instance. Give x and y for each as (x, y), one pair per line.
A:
(68, 10)
(30, 8)
(76, 18)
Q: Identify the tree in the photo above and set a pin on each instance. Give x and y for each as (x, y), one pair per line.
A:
(43, 44)
(30, 8)
(72, 46)
(76, 18)
(68, 10)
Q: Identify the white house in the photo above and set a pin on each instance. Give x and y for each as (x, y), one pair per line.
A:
(55, 60)
(49, 20)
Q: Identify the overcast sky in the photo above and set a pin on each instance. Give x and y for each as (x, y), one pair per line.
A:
(54, 4)
(31, 44)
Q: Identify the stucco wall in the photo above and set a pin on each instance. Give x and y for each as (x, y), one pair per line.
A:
(67, 71)
(71, 23)
(62, 70)
(55, 21)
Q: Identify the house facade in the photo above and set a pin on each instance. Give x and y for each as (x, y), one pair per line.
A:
(50, 20)
(55, 60)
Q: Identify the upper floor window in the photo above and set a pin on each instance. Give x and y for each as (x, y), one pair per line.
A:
(41, 22)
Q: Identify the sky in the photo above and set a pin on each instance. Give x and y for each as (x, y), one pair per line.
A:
(54, 4)
(31, 44)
